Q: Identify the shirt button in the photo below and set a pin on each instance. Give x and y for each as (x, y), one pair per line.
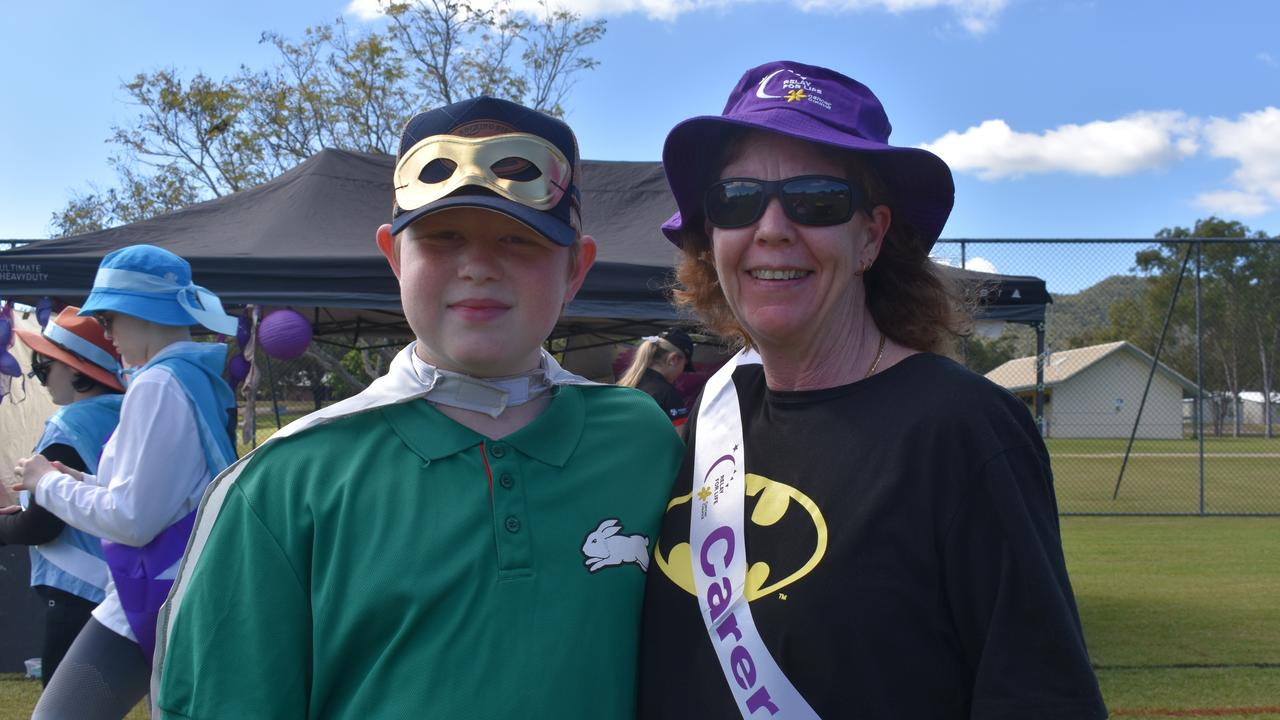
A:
(507, 481)
(513, 524)
(498, 450)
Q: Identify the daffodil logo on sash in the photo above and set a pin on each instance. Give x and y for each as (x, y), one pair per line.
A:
(773, 501)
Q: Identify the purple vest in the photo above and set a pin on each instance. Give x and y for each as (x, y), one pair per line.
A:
(144, 575)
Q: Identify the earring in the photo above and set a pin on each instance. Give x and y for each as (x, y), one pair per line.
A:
(862, 269)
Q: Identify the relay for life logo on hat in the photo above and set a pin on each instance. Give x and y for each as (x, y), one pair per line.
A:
(819, 105)
(491, 154)
(80, 343)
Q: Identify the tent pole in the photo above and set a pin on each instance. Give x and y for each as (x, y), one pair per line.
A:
(1040, 377)
(271, 378)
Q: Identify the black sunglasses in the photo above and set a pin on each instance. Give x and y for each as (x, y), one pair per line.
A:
(105, 320)
(807, 199)
(40, 366)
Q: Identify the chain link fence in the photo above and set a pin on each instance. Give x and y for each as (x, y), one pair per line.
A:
(1152, 404)
(1159, 389)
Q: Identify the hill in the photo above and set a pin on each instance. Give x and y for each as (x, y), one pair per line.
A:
(1071, 315)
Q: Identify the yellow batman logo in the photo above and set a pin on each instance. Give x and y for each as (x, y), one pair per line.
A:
(772, 500)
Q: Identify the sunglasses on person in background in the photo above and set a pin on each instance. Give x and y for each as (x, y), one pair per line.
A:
(806, 199)
(40, 367)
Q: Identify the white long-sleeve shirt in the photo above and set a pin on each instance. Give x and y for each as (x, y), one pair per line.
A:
(152, 473)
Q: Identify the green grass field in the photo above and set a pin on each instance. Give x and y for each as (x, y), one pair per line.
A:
(1242, 475)
(1180, 613)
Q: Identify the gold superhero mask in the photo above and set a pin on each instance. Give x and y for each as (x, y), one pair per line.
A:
(473, 162)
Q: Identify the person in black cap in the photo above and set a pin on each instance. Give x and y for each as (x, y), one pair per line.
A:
(656, 363)
(469, 536)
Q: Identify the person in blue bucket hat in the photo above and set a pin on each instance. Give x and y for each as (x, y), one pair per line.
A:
(175, 435)
(861, 528)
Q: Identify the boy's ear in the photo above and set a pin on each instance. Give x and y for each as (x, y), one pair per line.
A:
(391, 251)
(578, 273)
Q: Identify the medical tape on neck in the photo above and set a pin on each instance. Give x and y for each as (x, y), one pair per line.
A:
(719, 558)
(70, 341)
(208, 312)
(490, 396)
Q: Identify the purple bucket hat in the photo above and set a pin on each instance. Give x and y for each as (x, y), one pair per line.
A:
(819, 105)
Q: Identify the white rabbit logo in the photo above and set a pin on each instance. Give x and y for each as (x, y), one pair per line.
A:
(605, 547)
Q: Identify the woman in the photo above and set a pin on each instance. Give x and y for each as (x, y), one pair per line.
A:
(174, 436)
(887, 516)
(656, 364)
(77, 365)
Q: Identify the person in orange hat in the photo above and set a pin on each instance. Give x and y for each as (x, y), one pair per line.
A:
(76, 363)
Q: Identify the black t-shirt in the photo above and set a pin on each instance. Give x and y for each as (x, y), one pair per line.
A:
(669, 399)
(905, 537)
(35, 525)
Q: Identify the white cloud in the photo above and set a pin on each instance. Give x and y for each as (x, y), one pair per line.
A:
(979, 264)
(1253, 142)
(1233, 203)
(1105, 148)
(976, 16)
(1267, 58)
(364, 9)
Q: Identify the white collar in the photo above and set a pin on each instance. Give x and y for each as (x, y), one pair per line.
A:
(403, 384)
(483, 395)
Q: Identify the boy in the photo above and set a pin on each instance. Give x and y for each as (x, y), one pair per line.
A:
(468, 538)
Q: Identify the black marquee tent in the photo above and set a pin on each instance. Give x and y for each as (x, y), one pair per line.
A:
(305, 240)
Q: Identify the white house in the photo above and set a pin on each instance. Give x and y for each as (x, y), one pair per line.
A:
(1095, 392)
(1253, 408)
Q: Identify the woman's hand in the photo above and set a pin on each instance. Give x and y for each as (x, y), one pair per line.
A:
(8, 504)
(74, 473)
(28, 472)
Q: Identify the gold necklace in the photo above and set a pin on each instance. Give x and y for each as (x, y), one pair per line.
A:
(879, 354)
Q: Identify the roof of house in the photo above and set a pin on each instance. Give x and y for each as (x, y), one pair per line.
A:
(1020, 373)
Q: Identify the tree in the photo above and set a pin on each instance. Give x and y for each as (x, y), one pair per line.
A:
(200, 138)
(1239, 311)
(982, 355)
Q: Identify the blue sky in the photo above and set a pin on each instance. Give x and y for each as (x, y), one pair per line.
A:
(1060, 118)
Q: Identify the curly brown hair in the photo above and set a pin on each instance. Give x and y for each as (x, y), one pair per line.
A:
(909, 299)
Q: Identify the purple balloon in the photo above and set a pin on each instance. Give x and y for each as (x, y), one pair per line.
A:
(242, 332)
(9, 365)
(237, 370)
(44, 306)
(6, 333)
(284, 334)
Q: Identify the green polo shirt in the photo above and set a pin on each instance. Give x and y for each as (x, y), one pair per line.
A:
(395, 564)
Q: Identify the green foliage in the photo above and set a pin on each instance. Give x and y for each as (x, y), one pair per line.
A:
(202, 137)
(1083, 319)
(1239, 308)
(136, 197)
(982, 355)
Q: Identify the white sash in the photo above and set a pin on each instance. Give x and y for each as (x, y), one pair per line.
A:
(719, 556)
(68, 558)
